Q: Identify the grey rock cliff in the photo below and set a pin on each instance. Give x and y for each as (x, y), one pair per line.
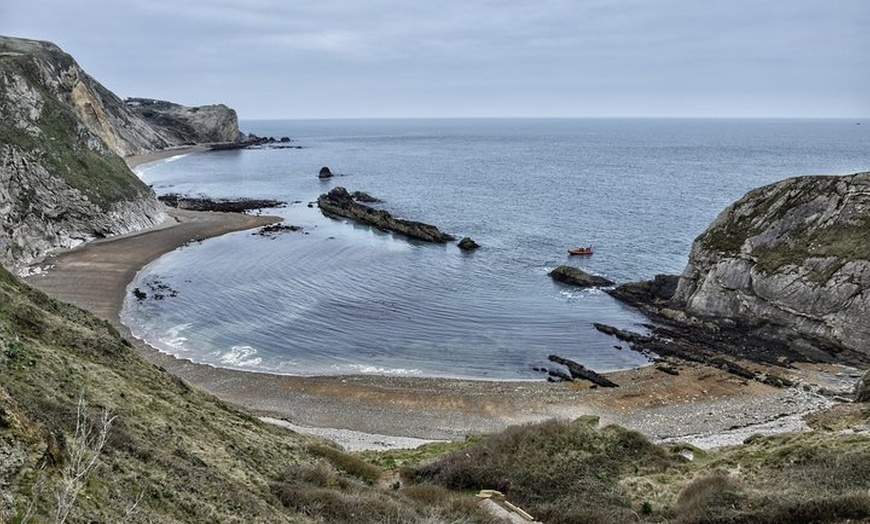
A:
(204, 124)
(62, 181)
(791, 259)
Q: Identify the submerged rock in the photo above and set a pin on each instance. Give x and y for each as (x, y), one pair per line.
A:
(577, 277)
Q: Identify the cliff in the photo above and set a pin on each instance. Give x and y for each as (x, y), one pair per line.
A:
(788, 262)
(205, 124)
(62, 135)
(61, 179)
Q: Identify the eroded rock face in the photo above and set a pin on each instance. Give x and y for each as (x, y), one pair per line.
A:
(793, 256)
(31, 70)
(203, 124)
(61, 179)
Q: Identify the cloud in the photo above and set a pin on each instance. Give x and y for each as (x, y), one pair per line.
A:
(531, 57)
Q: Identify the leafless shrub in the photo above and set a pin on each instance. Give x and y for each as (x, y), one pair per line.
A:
(83, 452)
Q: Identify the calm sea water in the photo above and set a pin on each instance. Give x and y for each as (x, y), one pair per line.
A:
(343, 298)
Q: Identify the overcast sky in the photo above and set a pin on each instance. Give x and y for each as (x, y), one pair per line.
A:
(453, 58)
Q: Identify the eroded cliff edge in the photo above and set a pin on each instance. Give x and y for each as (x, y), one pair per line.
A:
(788, 264)
(62, 138)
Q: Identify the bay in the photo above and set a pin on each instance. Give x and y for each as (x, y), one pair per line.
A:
(342, 298)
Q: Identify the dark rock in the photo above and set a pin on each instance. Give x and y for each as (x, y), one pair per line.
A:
(239, 205)
(325, 173)
(362, 196)
(862, 390)
(339, 203)
(577, 277)
(668, 369)
(578, 371)
(273, 230)
(467, 244)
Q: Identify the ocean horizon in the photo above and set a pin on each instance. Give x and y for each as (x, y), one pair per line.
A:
(341, 298)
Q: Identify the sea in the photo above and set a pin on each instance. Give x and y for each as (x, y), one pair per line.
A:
(339, 298)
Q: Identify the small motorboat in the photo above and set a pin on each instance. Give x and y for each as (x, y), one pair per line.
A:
(586, 250)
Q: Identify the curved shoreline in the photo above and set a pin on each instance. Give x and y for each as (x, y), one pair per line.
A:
(700, 401)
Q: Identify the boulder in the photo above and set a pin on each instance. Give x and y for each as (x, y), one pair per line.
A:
(325, 173)
(577, 277)
(467, 244)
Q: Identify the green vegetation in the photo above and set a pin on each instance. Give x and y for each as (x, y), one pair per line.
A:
(173, 453)
(563, 472)
(843, 241)
(61, 145)
(794, 202)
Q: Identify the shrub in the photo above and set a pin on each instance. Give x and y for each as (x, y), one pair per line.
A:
(348, 463)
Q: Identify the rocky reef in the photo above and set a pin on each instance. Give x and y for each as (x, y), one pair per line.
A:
(61, 179)
(339, 203)
(787, 266)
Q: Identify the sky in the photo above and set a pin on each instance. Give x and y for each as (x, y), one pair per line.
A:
(470, 58)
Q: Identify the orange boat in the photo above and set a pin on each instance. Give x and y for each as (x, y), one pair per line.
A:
(587, 250)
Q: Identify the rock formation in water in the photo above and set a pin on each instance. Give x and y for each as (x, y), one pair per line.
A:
(788, 262)
(338, 202)
(577, 277)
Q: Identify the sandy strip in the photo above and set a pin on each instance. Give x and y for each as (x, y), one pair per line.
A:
(699, 401)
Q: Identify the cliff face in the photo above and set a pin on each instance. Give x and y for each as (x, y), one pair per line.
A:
(61, 179)
(204, 124)
(791, 259)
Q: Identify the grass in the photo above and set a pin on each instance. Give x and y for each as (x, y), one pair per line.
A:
(177, 454)
(563, 472)
(62, 147)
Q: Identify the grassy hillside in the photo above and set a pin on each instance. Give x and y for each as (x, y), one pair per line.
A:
(576, 472)
(172, 453)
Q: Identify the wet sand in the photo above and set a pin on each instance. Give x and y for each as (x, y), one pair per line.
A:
(699, 401)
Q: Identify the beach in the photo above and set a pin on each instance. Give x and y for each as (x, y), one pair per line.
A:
(702, 404)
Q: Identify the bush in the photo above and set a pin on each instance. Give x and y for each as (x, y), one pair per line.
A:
(348, 463)
(558, 471)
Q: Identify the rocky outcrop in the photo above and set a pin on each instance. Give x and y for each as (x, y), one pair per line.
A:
(468, 244)
(36, 76)
(577, 277)
(788, 263)
(189, 125)
(339, 203)
(61, 179)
